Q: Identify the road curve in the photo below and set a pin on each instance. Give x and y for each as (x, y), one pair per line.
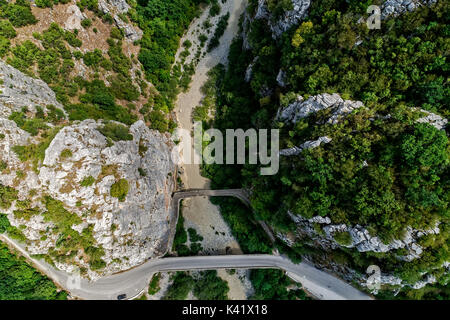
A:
(132, 282)
(318, 283)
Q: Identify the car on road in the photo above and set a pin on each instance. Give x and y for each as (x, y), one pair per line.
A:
(121, 296)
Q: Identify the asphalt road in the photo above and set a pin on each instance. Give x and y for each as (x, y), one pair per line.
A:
(320, 284)
(132, 282)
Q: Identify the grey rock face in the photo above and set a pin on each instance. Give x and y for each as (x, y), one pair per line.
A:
(360, 236)
(76, 16)
(290, 18)
(142, 221)
(435, 120)
(281, 78)
(396, 7)
(301, 109)
(363, 242)
(131, 32)
(287, 20)
(307, 145)
(19, 90)
(130, 232)
(249, 71)
(115, 7)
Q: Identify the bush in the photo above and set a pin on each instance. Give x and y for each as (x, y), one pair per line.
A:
(343, 238)
(218, 33)
(66, 153)
(116, 132)
(119, 190)
(154, 287)
(18, 13)
(194, 236)
(87, 181)
(271, 284)
(86, 23)
(44, 3)
(7, 196)
(182, 284)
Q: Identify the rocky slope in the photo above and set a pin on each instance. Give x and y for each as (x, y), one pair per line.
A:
(329, 112)
(321, 230)
(19, 90)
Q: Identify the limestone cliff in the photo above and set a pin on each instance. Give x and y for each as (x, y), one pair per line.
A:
(80, 198)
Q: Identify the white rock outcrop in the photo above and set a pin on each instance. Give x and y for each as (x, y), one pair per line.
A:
(290, 18)
(18, 90)
(142, 221)
(301, 108)
(396, 7)
(433, 119)
(76, 16)
(277, 25)
(129, 232)
(361, 239)
(115, 8)
(307, 145)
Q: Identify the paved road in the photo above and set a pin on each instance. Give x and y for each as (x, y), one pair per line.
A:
(132, 282)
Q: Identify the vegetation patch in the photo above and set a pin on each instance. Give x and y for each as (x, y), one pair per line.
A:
(87, 181)
(119, 190)
(116, 132)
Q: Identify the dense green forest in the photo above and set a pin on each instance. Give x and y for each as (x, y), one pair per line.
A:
(20, 281)
(395, 72)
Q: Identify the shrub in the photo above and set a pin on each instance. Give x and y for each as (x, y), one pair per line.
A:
(116, 132)
(66, 153)
(343, 238)
(153, 287)
(116, 33)
(7, 196)
(142, 172)
(211, 287)
(119, 190)
(86, 23)
(218, 33)
(18, 13)
(194, 236)
(87, 181)
(182, 284)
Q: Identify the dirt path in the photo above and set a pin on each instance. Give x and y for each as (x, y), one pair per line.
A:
(199, 213)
